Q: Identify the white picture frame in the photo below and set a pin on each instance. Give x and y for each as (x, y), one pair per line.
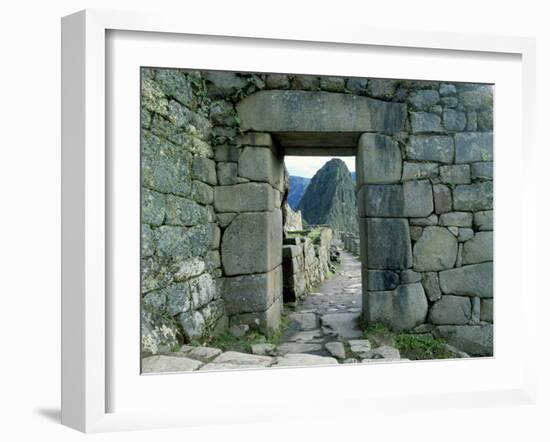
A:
(85, 201)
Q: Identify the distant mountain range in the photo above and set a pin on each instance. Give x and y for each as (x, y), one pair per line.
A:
(330, 198)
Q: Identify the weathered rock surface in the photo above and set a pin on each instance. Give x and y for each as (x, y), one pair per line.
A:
(469, 280)
(438, 148)
(378, 160)
(451, 310)
(435, 250)
(303, 360)
(336, 349)
(478, 249)
(343, 324)
(389, 245)
(401, 309)
(473, 339)
(168, 364)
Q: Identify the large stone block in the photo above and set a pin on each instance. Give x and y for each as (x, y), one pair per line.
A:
(418, 198)
(438, 148)
(435, 250)
(261, 164)
(417, 171)
(455, 174)
(469, 280)
(252, 293)
(474, 146)
(153, 207)
(456, 219)
(478, 249)
(287, 111)
(473, 197)
(486, 310)
(401, 309)
(423, 99)
(455, 310)
(443, 200)
(378, 160)
(477, 97)
(475, 340)
(378, 280)
(381, 200)
(246, 197)
(483, 220)
(266, 321)
(182, 242)
(183, 212)
(252, 243)
(482, 171)
(389, 244)
(453, 120)
(430, 282)
(425, 122)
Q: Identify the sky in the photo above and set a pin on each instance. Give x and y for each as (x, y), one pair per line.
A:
(307, 166)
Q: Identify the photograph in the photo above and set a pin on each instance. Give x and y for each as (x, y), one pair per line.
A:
(293, 220)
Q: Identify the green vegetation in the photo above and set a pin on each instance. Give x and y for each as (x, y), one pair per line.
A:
(412, 346)
(314, 234)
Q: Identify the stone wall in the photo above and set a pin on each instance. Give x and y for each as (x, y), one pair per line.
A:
(180, 252)
(425, 199)
(306, 262)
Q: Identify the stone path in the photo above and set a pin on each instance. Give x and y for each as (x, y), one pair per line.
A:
(323, 330)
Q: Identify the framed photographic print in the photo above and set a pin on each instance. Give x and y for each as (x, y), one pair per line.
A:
(250, 214)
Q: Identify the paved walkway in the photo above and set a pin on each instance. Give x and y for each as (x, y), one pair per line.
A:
(323, 330)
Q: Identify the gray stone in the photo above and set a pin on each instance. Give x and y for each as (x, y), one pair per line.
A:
(458, 219)
(344, 325)
(409, 276)
(381, 200)
(454, 310)
(224, 84)
(378, 160)
(471, 125)
(483, 220)
(240, 251)
(382, 88)
(192, 323)
(204, 169)
(430, 282)
(435, 250)
(222, 112)
(277, 81)
(202, 193)
(336, 349)
(465, 234)
(165, 166)
(269, 111)
(416, 232)
(418, 198)
(474, 146)
(473, 339)
(333, 84)
(459, 255)
(423, 99)
(258, 139)
(360, 347)
(183, 242)
(227, 173)
(203, 354)
(224, 219)
(438, 148)
(443, 200)
(389, 244)
(303, 360)
(473, 197)
(485, 120)
(184, 212)
(429, 221)
(477, 97)
(425, 122)
(226, 153)
(307, 336)
(239, 330)
(213, 366)
(263, 349)
(148, 241)
(470, 280)
(454, 121)
(482, 171)
(202, 290)
(383, 352)
(175, 85)
(453, 230)
(305, 82)
(246, 197)
(456, 174)
(158, 333)
(449, 102)
(168, 364)
(478, 249)
(382, 280)
(357, 85)
(304, 321)
(260, 164)
(447, 89)
(237, 358)
(297, 347)
(476, 311)
(415, 171)
(401, 309)
(189, 268)
(252, 293)
(152, 207)
(486, 313)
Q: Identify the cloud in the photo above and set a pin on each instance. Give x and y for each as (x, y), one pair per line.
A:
(308, 166)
